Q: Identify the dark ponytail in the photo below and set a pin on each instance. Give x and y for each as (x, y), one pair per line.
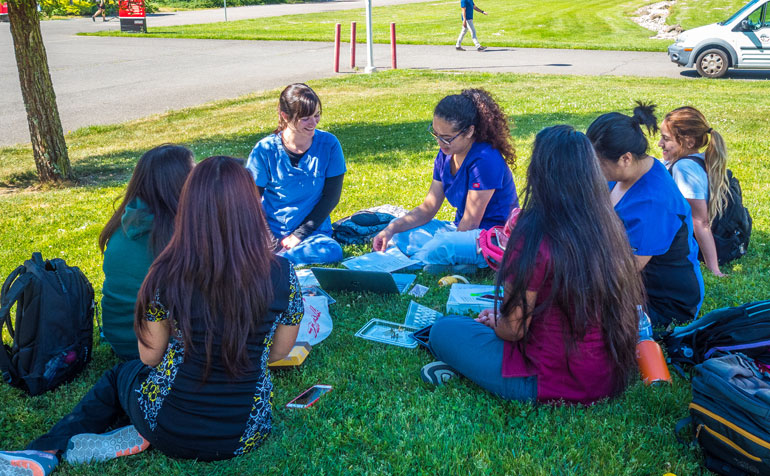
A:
(476, 107)
(614, 134)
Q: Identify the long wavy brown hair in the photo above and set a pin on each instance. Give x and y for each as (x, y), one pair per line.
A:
(476, 107)
(595, 280)
(220, 255)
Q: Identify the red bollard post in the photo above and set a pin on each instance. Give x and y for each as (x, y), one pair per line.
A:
(352, 45)
(393, 45)
(337, 32)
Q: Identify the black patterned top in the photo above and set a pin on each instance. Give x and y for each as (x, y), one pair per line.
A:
(220, 418)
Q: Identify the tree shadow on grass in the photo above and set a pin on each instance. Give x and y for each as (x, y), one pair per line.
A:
(366, 142)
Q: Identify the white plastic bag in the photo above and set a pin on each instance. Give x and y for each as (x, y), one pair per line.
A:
(317, 323)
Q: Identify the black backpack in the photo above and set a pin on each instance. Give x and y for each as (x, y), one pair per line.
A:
(744, 329)
(53, 332)
(730, 415)
(732, 228)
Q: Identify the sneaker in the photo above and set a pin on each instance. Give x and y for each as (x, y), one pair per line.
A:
(459, 48)
(88, 447)
(93, 19)
(27, 463)
(437, 373)
(481, 48)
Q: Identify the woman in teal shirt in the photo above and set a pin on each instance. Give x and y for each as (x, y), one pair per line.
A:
(135, 234)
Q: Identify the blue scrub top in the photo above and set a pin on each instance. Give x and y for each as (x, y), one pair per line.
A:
(658, 222)
(291, 192)
(483, 169)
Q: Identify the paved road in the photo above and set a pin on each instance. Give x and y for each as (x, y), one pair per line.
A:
(103, 80)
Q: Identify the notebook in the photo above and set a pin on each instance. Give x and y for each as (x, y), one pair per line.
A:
(337, 279)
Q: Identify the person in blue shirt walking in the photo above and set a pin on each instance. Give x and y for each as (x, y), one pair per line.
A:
(299, 172)
(466, 8)
(472, 171)
(657, 217)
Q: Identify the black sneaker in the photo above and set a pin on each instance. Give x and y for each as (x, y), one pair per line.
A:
(481, 48)
(437, 373)
(93, 19)
(459, 48)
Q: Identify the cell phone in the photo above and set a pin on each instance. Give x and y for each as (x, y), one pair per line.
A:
(309, 396)
(491, 297)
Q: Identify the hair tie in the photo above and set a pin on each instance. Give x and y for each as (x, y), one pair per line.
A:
(709, 131)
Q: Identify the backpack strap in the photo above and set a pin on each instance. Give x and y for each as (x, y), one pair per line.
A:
(12, 288)
(9, 294)
(695, 159)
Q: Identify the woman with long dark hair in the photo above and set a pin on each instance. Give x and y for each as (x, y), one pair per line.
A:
(299, 170)
(472, 171)
(137, 232)
(657, 218)
(215, 308)
(700, 176)
(567, 326)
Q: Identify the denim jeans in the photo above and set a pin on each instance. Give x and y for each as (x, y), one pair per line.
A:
(317, 248)
(439, 242)
(473, 34)
(474, 351)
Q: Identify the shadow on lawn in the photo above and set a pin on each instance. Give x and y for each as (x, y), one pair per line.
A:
(366, 142)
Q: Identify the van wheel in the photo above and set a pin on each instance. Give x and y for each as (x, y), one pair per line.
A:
(712, 63)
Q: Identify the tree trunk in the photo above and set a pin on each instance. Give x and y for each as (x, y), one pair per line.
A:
(48, 146)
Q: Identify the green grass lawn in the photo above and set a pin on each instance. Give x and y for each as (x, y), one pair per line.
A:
(380, 418)
(591, 24)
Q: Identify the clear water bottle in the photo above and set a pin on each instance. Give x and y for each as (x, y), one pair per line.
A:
(645, 326)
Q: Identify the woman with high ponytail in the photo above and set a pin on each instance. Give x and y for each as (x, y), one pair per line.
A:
(473, 172)
(657, 218)
(701, 177)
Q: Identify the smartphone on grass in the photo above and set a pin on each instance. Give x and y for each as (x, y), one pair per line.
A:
(309, 396)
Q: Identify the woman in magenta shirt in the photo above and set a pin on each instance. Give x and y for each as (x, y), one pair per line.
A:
(566, 327)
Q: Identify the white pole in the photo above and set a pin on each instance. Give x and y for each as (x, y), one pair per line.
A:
(225, 1)
(369, 66)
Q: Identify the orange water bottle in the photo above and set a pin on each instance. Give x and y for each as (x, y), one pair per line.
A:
(649, 356)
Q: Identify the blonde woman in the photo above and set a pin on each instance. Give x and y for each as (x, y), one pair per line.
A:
(700, 176)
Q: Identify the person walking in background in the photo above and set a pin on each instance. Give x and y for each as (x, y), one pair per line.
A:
(467, 7)
(101, 9)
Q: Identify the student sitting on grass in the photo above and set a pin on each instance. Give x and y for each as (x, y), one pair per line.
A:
(472, 172)
(657, 218)
(215, 308)
(135, 234)
(567, 327)
(683, 133)
(299, 171)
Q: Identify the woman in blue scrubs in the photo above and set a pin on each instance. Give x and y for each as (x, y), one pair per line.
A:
(299, 170)
(472, 171)
(657, 218)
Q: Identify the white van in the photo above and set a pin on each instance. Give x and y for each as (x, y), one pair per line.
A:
(740, 42)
